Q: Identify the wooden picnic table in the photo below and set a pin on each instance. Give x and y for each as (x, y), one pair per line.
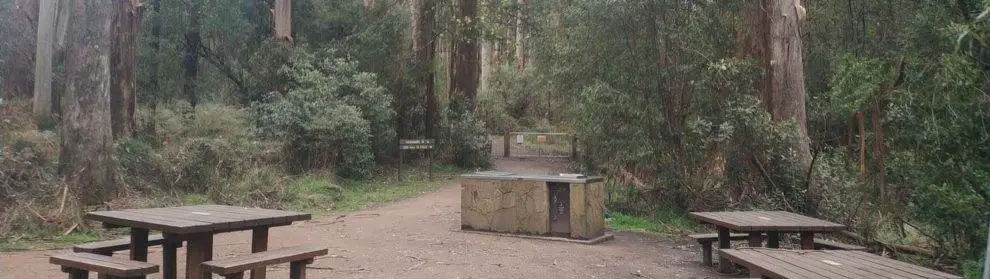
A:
(780, 263)
(196, 225)
(770, 223)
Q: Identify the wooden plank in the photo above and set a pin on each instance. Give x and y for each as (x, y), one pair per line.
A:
(243, 219)
(104, 264)
(766, 266)
(110, 246)
(824, 243)
(894, 264)
(780, 221)
(215, 222)
(131, 219)
(857, 267)
(817, 267)
(714, 236)
(263, 259)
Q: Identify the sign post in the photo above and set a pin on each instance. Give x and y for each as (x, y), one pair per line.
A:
(425, 145)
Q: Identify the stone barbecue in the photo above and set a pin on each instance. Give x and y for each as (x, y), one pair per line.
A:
(548, 205)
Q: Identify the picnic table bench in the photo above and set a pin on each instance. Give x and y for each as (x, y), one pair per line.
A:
(760, 223)
(781, 264)
(196, 225)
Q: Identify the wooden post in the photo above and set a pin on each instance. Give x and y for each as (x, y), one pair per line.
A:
(807, 240)
(259, 243)
(297, 270)
(77, 273)
(506, 144)
(139, 244)
(773, 240)
(706, 253)
(169, 257)
(574, 149)
(199, 249)
(724, 265)
(400, 162)
(755, 239)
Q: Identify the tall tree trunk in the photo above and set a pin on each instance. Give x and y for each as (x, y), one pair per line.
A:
(773, 37)
(86, 139)
(191, 62)
(486, 66)
(425, 51)
(19, 79)
(283, 20)
(123, 77)
(156, 33)
(43, 66)
(465, 57)
(520, 33)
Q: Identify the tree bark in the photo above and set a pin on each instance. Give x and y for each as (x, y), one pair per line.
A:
(123, 77)
(486, 67)
(425, 51)
(283, 20)
(86, 138)
(465, 58)
(191, 61)
(156, 31)
(43, 66)
(520, 50)
(19, 79)
(773, 37)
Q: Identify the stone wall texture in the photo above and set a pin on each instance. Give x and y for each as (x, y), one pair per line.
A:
(587, 210)
(508, 206)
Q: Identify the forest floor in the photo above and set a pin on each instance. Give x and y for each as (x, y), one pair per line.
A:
(419, 238)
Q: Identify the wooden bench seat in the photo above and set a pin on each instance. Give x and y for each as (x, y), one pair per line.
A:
(107, 248)
(706, 239)
(786, 264)
(78, 266)
(298, 257)
(832, 245)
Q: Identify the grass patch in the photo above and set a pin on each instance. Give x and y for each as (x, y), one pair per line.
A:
(35, 241)
(664, 221)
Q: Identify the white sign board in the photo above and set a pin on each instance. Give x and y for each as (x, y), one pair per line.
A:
(519, 139)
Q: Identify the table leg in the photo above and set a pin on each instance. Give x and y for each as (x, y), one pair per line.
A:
(199, 248)
(724, 265)
(755, 239)
(773, 240)
(259, 243)
(169, 257)
(807, 240)
(139, 244)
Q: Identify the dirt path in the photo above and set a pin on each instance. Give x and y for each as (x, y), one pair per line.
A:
(418, 238)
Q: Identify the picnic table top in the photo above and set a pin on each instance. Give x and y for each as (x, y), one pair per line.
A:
(753, 221)
(197, 218)
(780, 263)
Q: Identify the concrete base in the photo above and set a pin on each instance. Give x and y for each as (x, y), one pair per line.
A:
(593, 241)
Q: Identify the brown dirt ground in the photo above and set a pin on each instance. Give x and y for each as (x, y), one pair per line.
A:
(419, 238)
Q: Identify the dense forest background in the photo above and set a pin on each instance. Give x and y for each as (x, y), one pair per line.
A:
(870, 113)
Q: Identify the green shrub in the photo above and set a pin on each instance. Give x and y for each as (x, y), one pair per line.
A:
(465, 140)
(332, 117)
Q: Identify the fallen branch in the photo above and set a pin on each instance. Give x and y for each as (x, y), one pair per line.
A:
(897, 248)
